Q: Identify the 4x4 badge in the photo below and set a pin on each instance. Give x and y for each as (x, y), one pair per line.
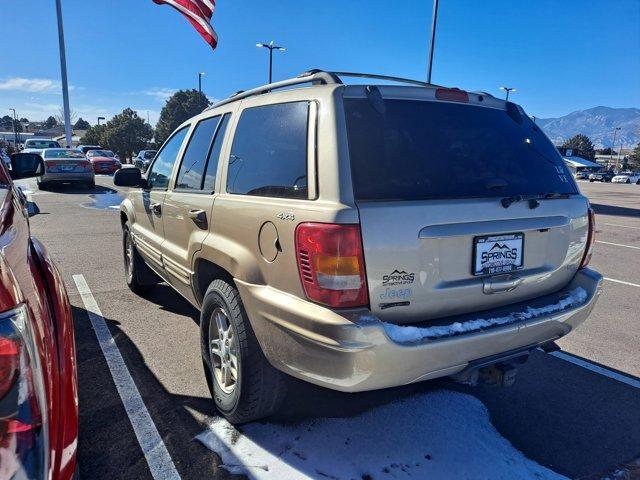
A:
(286, 216)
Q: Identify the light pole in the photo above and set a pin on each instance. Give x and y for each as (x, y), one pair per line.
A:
(432, 43)
(508, 90)
(200, 75)
(100, 118)
(271, 48)
(15, 130)
(63, 71)
(613, 145)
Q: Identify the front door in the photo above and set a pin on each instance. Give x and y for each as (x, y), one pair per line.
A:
(147, 230)
(188, 205)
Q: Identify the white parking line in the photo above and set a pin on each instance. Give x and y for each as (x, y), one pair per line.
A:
(618, 244)
(634, 382)
(155, 451)
(619, 225)
(622, 282)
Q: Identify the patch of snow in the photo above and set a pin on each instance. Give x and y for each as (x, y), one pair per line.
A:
(408, 334)
(436, 435)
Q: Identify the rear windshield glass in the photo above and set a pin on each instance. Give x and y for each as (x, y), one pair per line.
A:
(412, 150)
(41, 144)
(63, 153)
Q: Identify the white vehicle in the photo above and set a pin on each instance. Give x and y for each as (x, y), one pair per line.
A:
(627, 177)
(36, 145)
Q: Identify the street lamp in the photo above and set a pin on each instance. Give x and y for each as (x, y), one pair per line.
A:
(200, 81)
(613, 145)
(15, 131)
(271, 48)
(508, 90)
(100, 118)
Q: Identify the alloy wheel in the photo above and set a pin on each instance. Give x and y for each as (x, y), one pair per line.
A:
(223, 348)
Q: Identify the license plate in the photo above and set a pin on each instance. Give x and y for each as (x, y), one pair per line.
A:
(497, 253)
(66, 168)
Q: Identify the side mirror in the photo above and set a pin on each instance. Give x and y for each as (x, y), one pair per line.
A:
(129, 177)
(26, 165)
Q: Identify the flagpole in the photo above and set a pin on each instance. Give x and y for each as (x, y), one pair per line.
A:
(433, 38)
(63, 70)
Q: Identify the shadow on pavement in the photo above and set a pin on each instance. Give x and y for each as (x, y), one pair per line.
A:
(73, 189)
(559, 415)
(108, 447)
(602, 209)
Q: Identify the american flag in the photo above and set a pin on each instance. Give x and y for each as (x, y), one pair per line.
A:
(199, 13)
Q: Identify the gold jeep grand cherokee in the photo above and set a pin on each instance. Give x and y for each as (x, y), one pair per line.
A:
(361, 236)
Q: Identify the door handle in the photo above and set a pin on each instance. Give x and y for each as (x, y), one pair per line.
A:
(500, 283)
(199, 217)
(156, 208)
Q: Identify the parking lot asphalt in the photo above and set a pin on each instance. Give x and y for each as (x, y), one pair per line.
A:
(576, 421)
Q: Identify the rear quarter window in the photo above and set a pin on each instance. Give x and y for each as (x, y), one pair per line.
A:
(412, 150)
(269, 152)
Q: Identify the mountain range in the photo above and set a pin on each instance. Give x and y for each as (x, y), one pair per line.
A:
(596, 123)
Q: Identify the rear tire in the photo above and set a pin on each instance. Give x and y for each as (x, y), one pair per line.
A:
(91, 185)
(628, 181)
(140, 278)
(43, 186)
(229, 344)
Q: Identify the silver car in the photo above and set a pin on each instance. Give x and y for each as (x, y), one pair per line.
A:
(63, 165)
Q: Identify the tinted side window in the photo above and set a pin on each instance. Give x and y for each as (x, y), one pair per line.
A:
(269, 153)
(195, 156)
(160, 172)
(214, 156)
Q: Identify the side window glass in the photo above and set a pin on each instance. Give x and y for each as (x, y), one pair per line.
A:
(214, 155)
(162, 167)
(269, 153)
(195, 156)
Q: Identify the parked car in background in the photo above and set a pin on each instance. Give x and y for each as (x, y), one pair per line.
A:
(366, 263)
(604, 176)
(144, 158)
(38, 381)
(104, 161)
(627, 177)
(5, 157)
(63, 165)
(582, 175)
(37, 144)
(85, 148)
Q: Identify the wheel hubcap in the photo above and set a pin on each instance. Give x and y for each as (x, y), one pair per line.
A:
(224, 350)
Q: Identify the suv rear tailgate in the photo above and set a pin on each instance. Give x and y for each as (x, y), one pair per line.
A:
(464, 206)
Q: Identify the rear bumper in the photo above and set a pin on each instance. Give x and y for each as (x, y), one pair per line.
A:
(351, 351)
(66, 177)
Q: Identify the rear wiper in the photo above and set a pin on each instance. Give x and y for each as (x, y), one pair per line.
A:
(532, 199)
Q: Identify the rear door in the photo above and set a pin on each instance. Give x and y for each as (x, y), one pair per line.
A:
(147, 229)
(450, 197)
(188, 207)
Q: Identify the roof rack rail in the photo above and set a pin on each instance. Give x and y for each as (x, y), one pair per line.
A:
(315, 77)
(382, 77)
(312, 76)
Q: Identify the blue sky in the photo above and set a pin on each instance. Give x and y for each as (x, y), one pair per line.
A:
(560, 55)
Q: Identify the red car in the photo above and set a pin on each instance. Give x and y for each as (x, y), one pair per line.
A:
(104, 161)
(38, 382)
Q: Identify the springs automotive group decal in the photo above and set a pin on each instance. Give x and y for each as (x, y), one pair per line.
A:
(398, 278)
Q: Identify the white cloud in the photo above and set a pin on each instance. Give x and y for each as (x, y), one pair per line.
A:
(160, 93)
(35, 85)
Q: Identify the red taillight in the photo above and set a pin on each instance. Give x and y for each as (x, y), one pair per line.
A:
(452, 95)
(9, 363)
(331, 264)
(591, 238)
(50, 163)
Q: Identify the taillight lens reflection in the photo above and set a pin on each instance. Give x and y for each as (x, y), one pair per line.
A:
(24, 442)
(331, 264)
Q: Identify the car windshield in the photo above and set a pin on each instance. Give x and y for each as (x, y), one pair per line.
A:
(411, 150)
(100, 153)
(41, 144)
(63, 153)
